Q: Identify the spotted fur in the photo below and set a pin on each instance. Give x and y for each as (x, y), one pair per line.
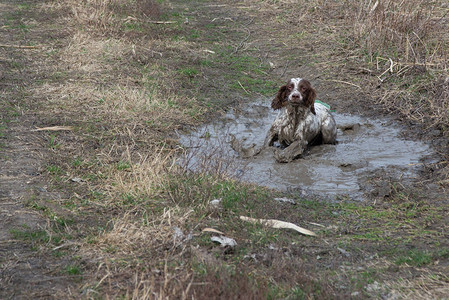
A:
(300, 121)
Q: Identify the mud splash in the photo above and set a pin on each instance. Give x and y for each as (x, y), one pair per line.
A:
(364, 146)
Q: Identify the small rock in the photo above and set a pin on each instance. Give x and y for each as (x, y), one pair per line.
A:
(285, 200)
(224, 241)
(355, 294)
(215, 202)
(77, 179)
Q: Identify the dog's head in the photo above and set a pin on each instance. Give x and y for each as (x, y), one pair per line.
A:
(297, 92)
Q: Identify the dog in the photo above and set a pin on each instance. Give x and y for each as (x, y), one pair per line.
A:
(301, 122)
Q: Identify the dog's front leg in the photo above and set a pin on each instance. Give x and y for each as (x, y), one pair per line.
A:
(294, 150)
(272, 136)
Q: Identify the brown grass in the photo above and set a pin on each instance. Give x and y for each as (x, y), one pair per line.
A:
(146, 177)
(426, 286)
(124, 102)
(124, 113)
(408, 39)
(407, 29)
(108, 16)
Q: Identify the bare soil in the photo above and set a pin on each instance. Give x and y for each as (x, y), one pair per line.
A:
(393, 244)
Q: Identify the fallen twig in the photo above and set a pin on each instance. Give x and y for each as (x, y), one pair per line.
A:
(316, 224)
(243, 41)
(278, 224)
(212, 230)
(68, 244)
(162, 22)
(242, 87)
(54, 128)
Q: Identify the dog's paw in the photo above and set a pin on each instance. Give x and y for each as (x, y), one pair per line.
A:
(290, 153)
(281, 156)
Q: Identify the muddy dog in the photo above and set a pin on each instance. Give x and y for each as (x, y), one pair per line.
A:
(301, 122)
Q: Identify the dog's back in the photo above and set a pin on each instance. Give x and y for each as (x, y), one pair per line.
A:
(328, 125)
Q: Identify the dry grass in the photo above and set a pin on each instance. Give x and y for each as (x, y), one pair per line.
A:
(145, 178)
(86, 53)
(121, 104)
(426, 286)
(145, 243)
(108, 16)
(125, 104)
(409, 39)
(409, 30)
(129, 236)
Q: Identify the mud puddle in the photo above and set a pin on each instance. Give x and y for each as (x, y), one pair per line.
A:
(364, 147)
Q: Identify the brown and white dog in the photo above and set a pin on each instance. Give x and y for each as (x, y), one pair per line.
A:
(301, 122)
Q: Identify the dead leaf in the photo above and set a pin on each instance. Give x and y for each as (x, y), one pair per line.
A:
(278, 224)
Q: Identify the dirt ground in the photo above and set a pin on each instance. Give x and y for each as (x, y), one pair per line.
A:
(76, 220)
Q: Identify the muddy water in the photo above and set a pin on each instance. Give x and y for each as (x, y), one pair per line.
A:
(364, 146)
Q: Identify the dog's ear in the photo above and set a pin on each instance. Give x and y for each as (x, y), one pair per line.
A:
(310, 99)
(279, 101)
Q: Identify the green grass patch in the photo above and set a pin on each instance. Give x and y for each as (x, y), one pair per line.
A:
(73, 270)
(54, 170)
(30, 235)
(415, 258)
(123, 166)
(189, 72)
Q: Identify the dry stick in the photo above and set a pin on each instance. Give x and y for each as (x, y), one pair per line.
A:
(242, 42)
(243, 87)
(161, 22)
(278, 224)
(19, 46)
(246, 38)
(54, 128)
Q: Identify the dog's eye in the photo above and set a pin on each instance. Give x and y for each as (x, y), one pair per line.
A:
(290, 87)
(303, 89)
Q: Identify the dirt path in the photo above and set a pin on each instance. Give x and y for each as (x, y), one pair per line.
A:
(27, 271)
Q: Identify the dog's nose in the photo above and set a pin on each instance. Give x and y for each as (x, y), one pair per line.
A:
(295, 96)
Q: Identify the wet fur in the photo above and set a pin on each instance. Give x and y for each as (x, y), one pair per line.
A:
(301, 122)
